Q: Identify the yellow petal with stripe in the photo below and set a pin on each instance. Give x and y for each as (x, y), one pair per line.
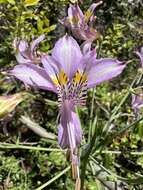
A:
(63, 79)
(80, 77)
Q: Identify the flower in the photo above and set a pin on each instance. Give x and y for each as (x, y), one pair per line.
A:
(137, 102)
(140, 54)
(26, 53)
(137, 99)
(81, 24)
(69, 72)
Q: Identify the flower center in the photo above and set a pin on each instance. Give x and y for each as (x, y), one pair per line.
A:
(74, 90)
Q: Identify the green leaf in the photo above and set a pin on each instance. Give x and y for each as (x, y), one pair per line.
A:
(31, 2)
(50, 28)
(40, 25)
(140, 129)
(8, 1)
(95, 185)
(3, 1)
(11, 2)
(36, 128)
(57, 158)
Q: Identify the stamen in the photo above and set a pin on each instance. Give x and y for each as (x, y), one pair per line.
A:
(79, 88)
(74, 90)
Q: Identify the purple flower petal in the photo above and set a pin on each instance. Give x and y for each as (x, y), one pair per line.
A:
(78, 131)
(75, 16)
(67, 53)
(137, 102)
(36, 42)
(22, 59)
(89, 57)
(90, 11)
(140, 54)
(86, 47)
(102, 70)
(25, 53)
(62, 137)
(81, 24)
(22, 46)
(87, 34)
(50, 65)
(69, 131)
(33, 75)
(22, 55)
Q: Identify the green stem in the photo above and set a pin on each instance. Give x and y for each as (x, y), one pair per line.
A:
(91, 115)
(137, 180)
(16, 146)
(116, 109)
(13, 146)
(109, 172)
(119, 152)
(85, 160)
(129, 126)
(53, 179)
(107, 141)
(18, 27)
(83, 166)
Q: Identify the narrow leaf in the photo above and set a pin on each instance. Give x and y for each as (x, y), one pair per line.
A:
(36, 128)
(8, 103)
(31, 2)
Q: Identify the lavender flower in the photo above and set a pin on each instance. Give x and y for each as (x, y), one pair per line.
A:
(69, 73)
(81, 24)
(137, 102)
(140, 54)
(26, 53)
